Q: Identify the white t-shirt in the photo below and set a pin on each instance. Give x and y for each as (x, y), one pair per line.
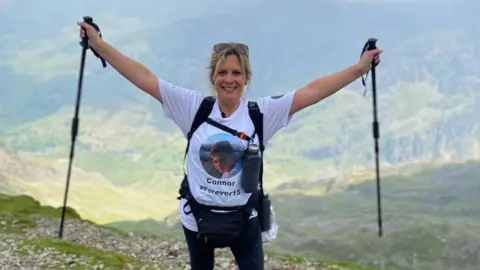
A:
(209, 182)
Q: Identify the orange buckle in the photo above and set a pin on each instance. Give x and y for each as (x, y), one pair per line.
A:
(242, 135)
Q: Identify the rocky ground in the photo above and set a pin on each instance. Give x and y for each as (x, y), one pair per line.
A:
(88, 246)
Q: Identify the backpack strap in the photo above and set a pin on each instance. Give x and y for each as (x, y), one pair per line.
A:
(200, 117)
(257, 118)
(232, 131)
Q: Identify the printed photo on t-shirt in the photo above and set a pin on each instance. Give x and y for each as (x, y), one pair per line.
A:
(221, 155)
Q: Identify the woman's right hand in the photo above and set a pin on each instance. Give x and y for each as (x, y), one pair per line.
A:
(93, 35)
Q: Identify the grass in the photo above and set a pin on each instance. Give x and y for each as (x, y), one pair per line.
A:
(26, 205)
(16, 212)
(94, 256)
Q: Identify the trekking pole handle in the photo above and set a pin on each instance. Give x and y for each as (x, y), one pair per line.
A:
(371, 45)
(88, 20)
(84, 42)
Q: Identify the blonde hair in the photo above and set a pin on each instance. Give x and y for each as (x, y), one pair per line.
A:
(217, 59)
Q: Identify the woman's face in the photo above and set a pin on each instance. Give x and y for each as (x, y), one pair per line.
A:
(230, 79)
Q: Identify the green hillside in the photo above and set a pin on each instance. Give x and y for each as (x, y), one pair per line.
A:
(91, 194)
(430, 221)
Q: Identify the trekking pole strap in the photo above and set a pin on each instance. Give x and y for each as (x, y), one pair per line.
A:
(84, 42)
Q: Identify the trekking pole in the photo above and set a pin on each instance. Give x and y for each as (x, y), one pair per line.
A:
(371, 45)
(75, 121)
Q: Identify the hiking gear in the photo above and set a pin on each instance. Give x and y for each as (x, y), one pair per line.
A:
(247, 251)
(238, 47)
(251, 169)
(370, 45)
(75, 121)
(220, 226)
(265, 219)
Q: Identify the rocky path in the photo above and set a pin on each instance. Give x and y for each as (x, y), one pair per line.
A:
(99, 248)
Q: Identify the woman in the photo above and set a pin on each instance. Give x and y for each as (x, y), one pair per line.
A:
(229, 73)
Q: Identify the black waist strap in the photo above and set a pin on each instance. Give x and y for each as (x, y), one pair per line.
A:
(186, 194)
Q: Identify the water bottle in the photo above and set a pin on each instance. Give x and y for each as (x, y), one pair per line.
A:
(251, 169)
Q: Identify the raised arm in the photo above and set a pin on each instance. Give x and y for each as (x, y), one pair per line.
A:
(132, 70)
(323, 87)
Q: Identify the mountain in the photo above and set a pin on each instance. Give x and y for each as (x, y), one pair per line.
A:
(427, 83)
(128, 156)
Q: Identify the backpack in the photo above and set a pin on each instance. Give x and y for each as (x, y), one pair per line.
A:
(222, 228)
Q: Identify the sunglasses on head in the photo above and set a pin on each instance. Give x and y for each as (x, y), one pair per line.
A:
(238, 47)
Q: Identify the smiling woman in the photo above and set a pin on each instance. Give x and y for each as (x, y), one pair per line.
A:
(226, 137)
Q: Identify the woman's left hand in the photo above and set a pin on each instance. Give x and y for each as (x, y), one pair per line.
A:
(368, 57)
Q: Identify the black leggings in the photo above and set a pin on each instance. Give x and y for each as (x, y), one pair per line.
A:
(248, 252)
